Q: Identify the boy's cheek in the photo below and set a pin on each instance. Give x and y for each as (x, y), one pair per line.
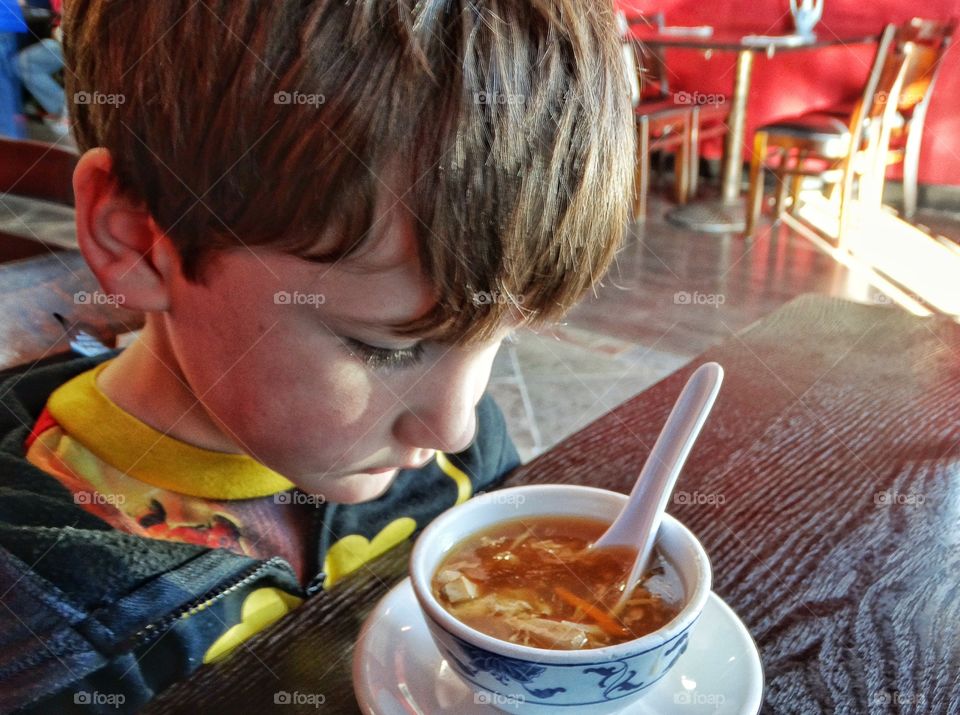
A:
(282, 410)
(305, 433)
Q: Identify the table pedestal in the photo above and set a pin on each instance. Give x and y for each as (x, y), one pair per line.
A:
(728, 213)
(711, 216)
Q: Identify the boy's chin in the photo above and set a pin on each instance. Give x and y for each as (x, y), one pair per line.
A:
(353, 489)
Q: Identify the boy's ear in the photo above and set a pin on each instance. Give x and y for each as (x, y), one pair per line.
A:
(130, 256)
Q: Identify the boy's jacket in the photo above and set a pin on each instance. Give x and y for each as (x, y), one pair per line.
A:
(96, 620)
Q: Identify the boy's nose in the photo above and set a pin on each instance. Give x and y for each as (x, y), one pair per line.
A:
(441, 419)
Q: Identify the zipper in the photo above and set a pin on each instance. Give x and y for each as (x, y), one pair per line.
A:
(151, 630)
(315, 584)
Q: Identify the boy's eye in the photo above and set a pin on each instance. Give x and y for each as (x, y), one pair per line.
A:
(385, 358)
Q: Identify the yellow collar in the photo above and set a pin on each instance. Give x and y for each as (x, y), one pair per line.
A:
(120, 439)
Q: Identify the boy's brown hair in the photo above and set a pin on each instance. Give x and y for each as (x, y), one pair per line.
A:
(504, 125)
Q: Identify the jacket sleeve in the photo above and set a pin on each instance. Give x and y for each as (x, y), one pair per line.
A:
(64, 649)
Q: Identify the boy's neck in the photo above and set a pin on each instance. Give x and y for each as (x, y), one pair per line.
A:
(146, 382)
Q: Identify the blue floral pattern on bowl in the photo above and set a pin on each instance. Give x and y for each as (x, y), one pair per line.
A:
(563, 685)
(502, 669)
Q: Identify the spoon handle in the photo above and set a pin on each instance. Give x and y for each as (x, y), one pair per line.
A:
(648, 499)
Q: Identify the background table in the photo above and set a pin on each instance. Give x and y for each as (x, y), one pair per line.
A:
(33, 289)
(832, 459)
(727, 213)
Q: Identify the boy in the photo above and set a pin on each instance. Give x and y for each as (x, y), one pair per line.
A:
(331, 214)
(38, 64)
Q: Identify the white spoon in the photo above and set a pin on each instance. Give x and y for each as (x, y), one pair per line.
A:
(640, 519)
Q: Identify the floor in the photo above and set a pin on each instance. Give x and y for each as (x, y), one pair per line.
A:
(940, 223)
(671, 295)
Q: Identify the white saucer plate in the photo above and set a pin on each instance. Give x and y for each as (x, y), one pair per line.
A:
(397, 669)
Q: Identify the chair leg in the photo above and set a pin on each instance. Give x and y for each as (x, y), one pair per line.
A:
(642, 170)
(878, 173)
(682, 165)
(783, 178)
(694, 168)
(756, 182)
(911, 163)
(797, 185)
(846, 196)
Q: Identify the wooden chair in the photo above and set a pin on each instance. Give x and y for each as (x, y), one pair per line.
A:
(932, 39)
(662, 125)
(841, 153)
(666, 112)
(38, 171)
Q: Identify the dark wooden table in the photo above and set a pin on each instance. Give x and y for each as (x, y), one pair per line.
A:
(825, 487)
(33, 289)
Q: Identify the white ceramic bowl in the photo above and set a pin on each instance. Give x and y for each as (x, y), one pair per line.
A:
(523, 679)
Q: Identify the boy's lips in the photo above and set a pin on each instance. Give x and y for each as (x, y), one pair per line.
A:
(382, 470)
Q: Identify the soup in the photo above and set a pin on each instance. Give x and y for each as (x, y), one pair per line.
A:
(534, 582)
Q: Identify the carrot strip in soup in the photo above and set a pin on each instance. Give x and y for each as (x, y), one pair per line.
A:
(606, 622)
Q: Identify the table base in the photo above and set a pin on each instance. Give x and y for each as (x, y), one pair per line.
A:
(711, 216)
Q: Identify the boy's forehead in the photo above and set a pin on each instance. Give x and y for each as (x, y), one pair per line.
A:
(383, 284)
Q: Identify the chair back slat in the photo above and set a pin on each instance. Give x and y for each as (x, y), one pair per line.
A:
(932, 39)
(883, 82)
(37, 170)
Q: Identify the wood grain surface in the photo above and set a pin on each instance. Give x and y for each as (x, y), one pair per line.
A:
(825, 488)
(32, 290)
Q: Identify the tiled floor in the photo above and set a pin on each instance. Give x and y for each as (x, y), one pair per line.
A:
(671, 295)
